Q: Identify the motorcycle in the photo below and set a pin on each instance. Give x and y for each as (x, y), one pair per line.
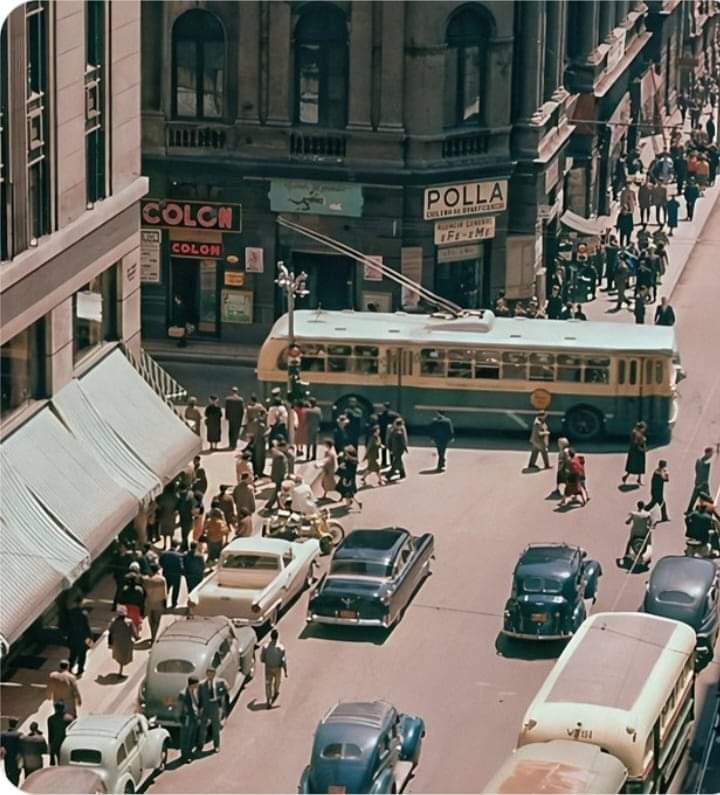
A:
(700, 549)
(638, 553)
(291, 526)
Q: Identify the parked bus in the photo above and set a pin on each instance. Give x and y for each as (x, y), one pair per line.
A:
(559, 766)
(486, 372)
(624, 683)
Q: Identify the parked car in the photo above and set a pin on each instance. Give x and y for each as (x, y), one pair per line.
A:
(363, 747)
(189, 646)
(255, 579)
(688, 590)
(551, 583)
(122, 749)
(64, 781)
(373, 575)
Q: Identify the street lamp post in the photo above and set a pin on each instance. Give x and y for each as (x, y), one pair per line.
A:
(294, 287)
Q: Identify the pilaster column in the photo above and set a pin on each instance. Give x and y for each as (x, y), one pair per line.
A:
(248, 110)
(531, 39)
(554, 37)
(392, 60)
(607, 21)
(360, 65)
(621, 12)
(588, 34)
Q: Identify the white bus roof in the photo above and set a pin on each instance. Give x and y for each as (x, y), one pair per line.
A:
(611, 681)
(488, 330)
(558, 766)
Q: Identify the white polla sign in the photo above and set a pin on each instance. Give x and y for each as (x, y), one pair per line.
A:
(464, 230)
(470, 198)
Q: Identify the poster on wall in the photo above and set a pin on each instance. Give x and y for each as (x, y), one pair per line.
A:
(237, 306)
(150, 240)
(254, 260)
(371, 273)
(411, 262)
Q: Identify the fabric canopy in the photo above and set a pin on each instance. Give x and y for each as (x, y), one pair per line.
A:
(39, 558)
(147, 425)
(85, 423)
(590, 227)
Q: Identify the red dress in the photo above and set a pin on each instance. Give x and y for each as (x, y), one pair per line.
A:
(575, 475)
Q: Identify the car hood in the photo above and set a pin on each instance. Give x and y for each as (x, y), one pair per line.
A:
(342, 773)
(366, 587)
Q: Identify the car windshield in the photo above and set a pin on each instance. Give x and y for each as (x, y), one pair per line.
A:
(85, 756)
(254, 562)
(341, 751)
(542, 585)
(174, 667)
(362, 568)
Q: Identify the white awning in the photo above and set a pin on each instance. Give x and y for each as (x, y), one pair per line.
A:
(38, 556)
(85, 423)
(590, 227)
(147, 425)
(66, 478)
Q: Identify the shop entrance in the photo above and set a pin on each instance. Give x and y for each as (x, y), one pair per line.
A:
(195, 281)
(331, 280)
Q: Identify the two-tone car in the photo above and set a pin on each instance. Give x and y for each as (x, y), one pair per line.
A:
(552, 587)
(363, 747)
(256, 578)
(124, 750)
(188, 647)
(373, 575)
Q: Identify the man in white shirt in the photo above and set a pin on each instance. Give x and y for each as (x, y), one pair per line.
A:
(303, 499)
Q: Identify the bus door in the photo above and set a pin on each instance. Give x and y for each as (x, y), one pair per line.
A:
(400, 366)
(629, 406)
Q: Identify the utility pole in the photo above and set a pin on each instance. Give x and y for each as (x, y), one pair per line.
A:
(294, 287)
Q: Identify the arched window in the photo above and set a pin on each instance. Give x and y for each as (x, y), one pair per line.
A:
(198, 66)
(321, 67)
(467, 36)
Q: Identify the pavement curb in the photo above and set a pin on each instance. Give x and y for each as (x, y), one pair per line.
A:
(202, 358)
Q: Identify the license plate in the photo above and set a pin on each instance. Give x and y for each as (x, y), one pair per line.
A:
(335, 788)
(538, 618)
(346, 614)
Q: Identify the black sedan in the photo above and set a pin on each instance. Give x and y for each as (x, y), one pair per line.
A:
(373, 574)
(550, 585)
(687, 590)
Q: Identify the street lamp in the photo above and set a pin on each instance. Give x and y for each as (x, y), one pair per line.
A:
(293, 287)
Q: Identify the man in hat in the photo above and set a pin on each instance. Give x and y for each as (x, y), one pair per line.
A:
(539, 437)
(442, 433)
(62, 686)
(213, 697)
(234, 414)
(190, 716)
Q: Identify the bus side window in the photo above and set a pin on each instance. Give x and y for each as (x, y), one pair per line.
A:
(621, 371)
(459, 363)
(568, 368)
(633, 372)
(648, 371)
(487, 365)
(339, 360)
(432, 362)
(515, 365)
(313, 358)
(366, 359)
(542, 367)
(597, 371)
(659, 371)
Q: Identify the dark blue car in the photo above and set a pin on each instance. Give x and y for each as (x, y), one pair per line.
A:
(550, 585)
(373, 574)
(363, 747)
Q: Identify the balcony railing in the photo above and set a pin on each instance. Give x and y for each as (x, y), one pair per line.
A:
(194, 136)
(317, 145)
(466, 144)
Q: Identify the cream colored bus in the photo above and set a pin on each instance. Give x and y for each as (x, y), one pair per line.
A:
(624, 683)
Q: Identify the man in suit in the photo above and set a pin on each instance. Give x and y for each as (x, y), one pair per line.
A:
(190, 715)
(313, 420)
(172, 565)
(234, 413)
(57, 728)
(278, 470)
(213, 697)
(79, 635)
(442, 433)
(62, 686)
(10, 750)
(386, 418)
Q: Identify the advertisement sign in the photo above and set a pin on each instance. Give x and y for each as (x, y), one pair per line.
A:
(411, 262)
(194, 250)
(237, 306)
(150, 240)
(372, 274)
(234, 279)
(254, 260)
(459, 253)
(319, 198)
(192, 215)
(458, 231)
(470, 198)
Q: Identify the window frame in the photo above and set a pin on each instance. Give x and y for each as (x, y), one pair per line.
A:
(467, 29)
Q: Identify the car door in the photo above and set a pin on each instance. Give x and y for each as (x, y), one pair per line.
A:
(133, 751)
(225, 663)
(402, 577)
(293, 575)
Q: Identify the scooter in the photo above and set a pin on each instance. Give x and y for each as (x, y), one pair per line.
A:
(638, 554)
(291, 526)
(700, 549)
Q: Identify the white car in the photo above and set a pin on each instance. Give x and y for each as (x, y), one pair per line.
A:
(122, 749)
(255, 579)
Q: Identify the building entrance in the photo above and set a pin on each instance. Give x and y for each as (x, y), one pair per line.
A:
(195, 281)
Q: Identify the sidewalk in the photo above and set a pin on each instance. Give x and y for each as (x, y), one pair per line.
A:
(203, 352)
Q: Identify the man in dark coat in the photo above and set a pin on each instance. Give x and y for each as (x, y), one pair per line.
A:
(355, 421)
(57, 728)
(341, 437)
(193, 567)
(258, 447)
(199, 476)
(278, 469)
(190, 715)
(10, 750)
(442, 433)
(234, 414)
(692, 194)
(386, 418)
(172, 565)
(554, 305)
(120, 565)
(213, 694)
(664, 314)
(79, 635)
(313, 420)
(185, 505)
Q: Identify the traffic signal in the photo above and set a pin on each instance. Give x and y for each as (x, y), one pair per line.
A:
(297, 388)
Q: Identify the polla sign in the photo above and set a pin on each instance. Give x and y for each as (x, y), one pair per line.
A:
(469, 198)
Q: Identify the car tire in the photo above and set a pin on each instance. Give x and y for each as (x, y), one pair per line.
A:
(337, 532)
(129, 788)
(583, 424)
(325, 545)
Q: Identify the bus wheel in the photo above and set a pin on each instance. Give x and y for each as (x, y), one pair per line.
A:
(583, 424)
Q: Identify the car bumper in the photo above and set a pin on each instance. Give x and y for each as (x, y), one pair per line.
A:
(510, 633)
(347, 622)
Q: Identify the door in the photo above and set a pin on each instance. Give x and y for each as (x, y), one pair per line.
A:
(330, 283)
(629, 406)
(195, 281)
(400, 363)
(226, 663)
(133, 760)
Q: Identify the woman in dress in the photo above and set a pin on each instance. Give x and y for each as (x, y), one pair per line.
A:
(192, 415)
(329, 468)
(347, 475)
(213, 422)
(244, 466)
(637, 449)
(563, 464)
(257, 446)
(573, 489)
(121, 635)
(372, 456)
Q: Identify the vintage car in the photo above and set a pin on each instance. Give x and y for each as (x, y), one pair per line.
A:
(363, 747)
(255, 579)
(687, 590)
(551, 583)
(122, 749)
(189, 646)
(373, 575)
(64, 781)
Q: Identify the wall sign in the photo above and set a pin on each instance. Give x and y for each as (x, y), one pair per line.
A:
(237, 306)
(371, 273)
(459, 253)
(411, 264)
(470, 198)
(319, 198)
(254, 260)
(150, 240)
(192, 215)
(234, 279)
(460, 230)
(194, 250)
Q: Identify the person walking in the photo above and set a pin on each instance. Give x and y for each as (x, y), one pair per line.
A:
(386, 418)
(397, 443)
(79, 635)
(57, 725)
(62, 686)
(710, 129)
(657, 490)
(253, 412)
(244, 466)
(539, 439)
(32, 748)
(119, 566)
(190, 717)
(226, 503)
(192, 415)
(637, 451)
(622, 275)
(640, 307)
(701, 484)
(673, 210)
(274, 657)
(193, 567)
(198, 476)
(234, 414)
(278, 470)
(660, 200)
(329, 464)
(213, 422)
(244, 495)
(664, 313)
(155, 598)
(122, 635)
(347, 476)
(185, 505)
(563, 464)
(167, 513)
(373, 450)
(245, 526)
(645, 201)
(341, 435)
(10, 750)
(574, 482)
(301, 435)
(692, 194)
(214, 699)
(313, 420)
(257, 446)
(217, 531)
(171, 562)
(554, 304)
(442, 433)
(277, 419)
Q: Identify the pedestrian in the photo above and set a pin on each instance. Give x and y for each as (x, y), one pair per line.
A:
(567, 311)
(180, 321)
(10, 750)
(373, 450)
(277, 419)
(234, 414)
(119, 566)
(701, 484)
(226, 504)
(673, 208)
(657, 490)
(214, 700)
(155, 598)
(539, 438)
(573, 485)
(554, 304)
(198, 476)
(245, 526)
(198, 519)
(695, 112)
(578, 314)
(300, 408)
(710, 129)
(244, 495)
(190, 717)
(612, 249)
(397, 443)
(167, 513)
(347, 476)
(79, 635)
(637, 450)
(62, 686)
(641, 524)
(692, 194)
(275, 658)
(713, 154)
(253, 412)
(193, 567)
(185, 506)
(193, 416)
(132, 596)
(661, 259)
(121, 636)
(328, 482)
(664, 313)
(645, 201)
(244, 466)
(278, 470)
(57, 728)
(563, 464)
(257, 446)
(386, 417)
(442, 433)
(171, 562)
(32, 748)
(213, 422)
(640, 307)
(645, 278)
(289, 451)
(341, 435)
(217, 531)
(580, 464)
(659, 200)
(682, 104)
(313, 420)
(622, 275)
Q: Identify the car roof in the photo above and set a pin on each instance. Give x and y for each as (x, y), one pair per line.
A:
(379, 545)
(678, 587)
(100, 725)
(64, 780)
(196, 629)
(359, 722)
(558, 560)
(259, 545)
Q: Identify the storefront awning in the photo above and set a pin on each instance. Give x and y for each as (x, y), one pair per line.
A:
(66, 478)
(119, 461)
(38, 556)
(147, 425)
(590, 227)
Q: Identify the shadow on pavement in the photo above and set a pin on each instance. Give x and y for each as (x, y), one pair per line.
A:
(527, 650)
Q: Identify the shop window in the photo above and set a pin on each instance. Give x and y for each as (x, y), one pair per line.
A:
(569, 368)
(432, 362)
(339, 358)
(321, 56)
(198, 66)
(597, 371)
(460, 363)
(487, 365)
(23, 368)
(515, 365)
(94, 313)
(467, 38)
(542, 367)
(366, 359)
